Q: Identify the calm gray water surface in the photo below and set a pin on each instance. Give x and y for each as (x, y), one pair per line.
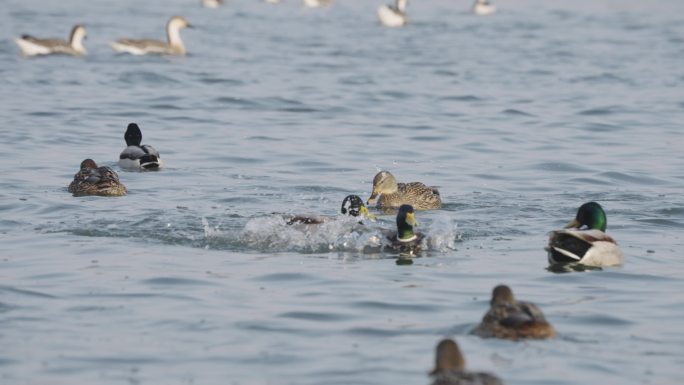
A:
(191, 279)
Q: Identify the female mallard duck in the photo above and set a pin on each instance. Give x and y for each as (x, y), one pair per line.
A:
(136, 155)
(393, 194)
(393, 15)
(513, 320)
(590, 246)
(483, 8)
(93, 180)
(450, 368)
(173, 45)
(31, 46)
(352, 205)
(405, 240)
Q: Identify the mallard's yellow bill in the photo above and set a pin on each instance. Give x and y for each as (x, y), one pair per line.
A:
(411, 219)
(573, 224)
(365, 213)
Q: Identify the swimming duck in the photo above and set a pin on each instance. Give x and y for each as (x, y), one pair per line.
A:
(173, 45)
(352, 205)
(393, 15)
(483, 7)
(393, 194)
(405, 240)
(212, 3)
(590, 245)
(93, 180)
(317, 3)
(136, 155)
(513, 320)
(450, 368)
(31, 46)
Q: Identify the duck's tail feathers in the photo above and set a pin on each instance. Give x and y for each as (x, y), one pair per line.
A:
(149, 162)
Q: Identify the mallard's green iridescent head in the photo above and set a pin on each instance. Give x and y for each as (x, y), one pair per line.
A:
(448, 357)
(383, 183)
(590, 214)
(405, 221)
(353, 205)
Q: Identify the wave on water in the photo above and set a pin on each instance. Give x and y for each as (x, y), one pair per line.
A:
(265, 234)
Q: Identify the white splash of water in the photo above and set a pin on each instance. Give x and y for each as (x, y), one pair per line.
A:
(443, 233)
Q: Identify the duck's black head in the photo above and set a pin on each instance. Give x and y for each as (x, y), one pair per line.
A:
(133, 135)
(353, 205)
(590, 214)
(405, 221)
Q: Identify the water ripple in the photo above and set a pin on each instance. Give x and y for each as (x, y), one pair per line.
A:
(175, 281)
(314, 316)
(28, 293)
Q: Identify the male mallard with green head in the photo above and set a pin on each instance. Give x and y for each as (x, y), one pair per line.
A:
(450, 368)
(405, 240)
(393, 194)
(93, 180)
(512, 320)
(584, 240)
(352, 205)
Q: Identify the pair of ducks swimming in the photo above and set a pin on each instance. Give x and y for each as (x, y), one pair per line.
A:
(103, 181)
(32, 46)
(395, 15)
(507, 319)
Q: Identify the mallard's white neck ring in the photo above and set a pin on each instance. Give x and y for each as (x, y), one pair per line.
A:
(409, 239)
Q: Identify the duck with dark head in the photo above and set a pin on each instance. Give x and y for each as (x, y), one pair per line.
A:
(584, 240)
(352, 205)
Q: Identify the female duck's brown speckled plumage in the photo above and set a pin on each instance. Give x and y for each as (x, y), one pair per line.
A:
(93, 180)
(450, 368)
(511, 319)
(393, 194)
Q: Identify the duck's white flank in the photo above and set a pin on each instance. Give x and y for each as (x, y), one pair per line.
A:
(316, 3)
(603, 251)
(212, 3)
(173, 46)
(31, 46)
(483, 8)
(393, 15)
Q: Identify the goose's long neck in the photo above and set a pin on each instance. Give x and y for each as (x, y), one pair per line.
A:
(76, 42)
(173, 34)
(401, 5)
